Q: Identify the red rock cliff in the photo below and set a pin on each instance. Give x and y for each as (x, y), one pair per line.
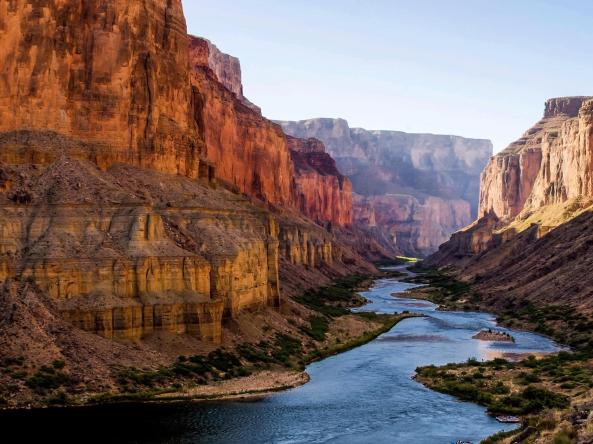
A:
(109, 72)
(321, 191)
(226, 68)
(252, 153)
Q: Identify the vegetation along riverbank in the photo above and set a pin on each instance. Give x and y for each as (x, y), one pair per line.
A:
(311, 326)
(552, 394)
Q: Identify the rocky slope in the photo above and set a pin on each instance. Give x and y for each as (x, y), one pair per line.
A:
(118, 244)
(532, 239)
(407, 182)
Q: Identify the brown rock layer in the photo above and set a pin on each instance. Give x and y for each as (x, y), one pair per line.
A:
(126, 252)
(321, 192)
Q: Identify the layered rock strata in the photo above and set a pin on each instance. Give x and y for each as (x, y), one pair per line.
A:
(252, 153)
(115, 130)
(412, 224)
(532, 241)
(321, 191)
(418, 181)
(126, 252)
(540, 166)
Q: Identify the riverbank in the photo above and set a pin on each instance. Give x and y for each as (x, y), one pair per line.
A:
(269, 355)
(553, 394)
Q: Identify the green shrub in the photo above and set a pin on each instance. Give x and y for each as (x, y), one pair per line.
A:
(319, 327)
(47, 378)
(59, 398)
(58, 364)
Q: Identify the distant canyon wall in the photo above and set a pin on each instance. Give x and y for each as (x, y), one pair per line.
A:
(418, 188)
(321, 191)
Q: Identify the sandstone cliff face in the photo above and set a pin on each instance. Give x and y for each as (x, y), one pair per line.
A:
(422, 173)
(529, 182)
(113, 73)
(226, 68)
(531, 241)
(543, 166)
(321, 191)
(104, 129)
(252, 153)
(128, 252)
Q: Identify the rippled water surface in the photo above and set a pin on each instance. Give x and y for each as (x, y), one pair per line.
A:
(365, 395)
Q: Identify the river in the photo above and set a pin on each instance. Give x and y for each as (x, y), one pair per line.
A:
(366, 395)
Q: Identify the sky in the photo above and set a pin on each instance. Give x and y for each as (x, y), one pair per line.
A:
(474, 68)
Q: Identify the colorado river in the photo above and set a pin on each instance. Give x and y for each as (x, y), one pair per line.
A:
(366, 395)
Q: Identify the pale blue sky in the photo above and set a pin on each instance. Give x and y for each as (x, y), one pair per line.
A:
(472, 68)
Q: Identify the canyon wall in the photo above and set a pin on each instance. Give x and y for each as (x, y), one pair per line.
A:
(113, 73)
(127, 252)
(532, 239)
(226, 68)
(422, 187)
(416, 226)
(321, 191)
(547, 164)
(252, 153)
(117, 130)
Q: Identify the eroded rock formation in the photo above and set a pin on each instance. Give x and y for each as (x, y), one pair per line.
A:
(115, 130)
(541, 166)
(252, 153)
(226, 68)
(422, 187)
(110, 73)
(321, 191)
(531, 240)
(126, 252)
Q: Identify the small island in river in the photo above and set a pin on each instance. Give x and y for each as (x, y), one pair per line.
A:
(492, 335)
